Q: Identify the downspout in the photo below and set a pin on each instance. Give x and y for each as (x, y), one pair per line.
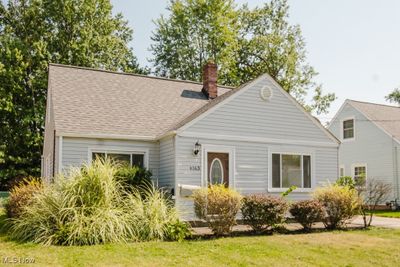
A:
(338, 163)
(54, 153)
(396, 171)
(60, 146)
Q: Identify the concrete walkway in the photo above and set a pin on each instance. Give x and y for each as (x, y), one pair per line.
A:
(357, 222)
(384, 222)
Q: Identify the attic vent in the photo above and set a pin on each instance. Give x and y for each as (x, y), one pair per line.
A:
(266, 93)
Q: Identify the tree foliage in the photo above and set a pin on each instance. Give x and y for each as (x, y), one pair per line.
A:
(32, 34)
(244, 42)
(394, 97)
(195, 32)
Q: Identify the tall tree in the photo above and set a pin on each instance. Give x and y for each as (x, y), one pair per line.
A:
(32, 34)
(195, 32)
(255, 41)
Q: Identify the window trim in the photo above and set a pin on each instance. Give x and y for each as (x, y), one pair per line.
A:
(341, 166)
(355, 165)
(283, 189)
(342, 129)
(116, 150)
(222, 170)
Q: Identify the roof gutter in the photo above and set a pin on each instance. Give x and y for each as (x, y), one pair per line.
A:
(109, 136)
(167, 134)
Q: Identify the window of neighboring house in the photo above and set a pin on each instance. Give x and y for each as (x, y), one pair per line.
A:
(132, 159)
(291, 170)
(348, 129)
(341, 171)
(360, 172)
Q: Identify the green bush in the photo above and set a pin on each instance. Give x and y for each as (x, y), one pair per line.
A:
(341, 203)
(21, 195)
(262, 211)
(307, 212)
(346, 181)
(90, 206)
(155, 217)
(218, 206)
(134, 176)
(177, 231)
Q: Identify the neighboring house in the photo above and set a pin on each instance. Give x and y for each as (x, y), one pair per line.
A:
(255, 139)
(369, 135)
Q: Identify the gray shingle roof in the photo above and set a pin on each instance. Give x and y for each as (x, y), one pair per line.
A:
(385, 116)
(95, 102)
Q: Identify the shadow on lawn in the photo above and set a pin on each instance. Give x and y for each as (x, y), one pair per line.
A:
(278, 231)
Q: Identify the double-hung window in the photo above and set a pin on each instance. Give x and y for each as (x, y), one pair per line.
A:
(360, 172)
(291, 170)
(131, 159)
(348, 129)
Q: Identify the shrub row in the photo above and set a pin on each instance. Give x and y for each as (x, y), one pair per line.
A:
(219, 207)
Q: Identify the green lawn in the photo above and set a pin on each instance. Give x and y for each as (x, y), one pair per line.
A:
(388, 213)
(376, 247)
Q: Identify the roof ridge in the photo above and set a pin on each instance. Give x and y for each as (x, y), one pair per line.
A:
(370, 103)
(134, 74)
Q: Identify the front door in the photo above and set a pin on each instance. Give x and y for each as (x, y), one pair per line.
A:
(218, 168)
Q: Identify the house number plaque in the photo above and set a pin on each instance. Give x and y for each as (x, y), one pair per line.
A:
(194, 168)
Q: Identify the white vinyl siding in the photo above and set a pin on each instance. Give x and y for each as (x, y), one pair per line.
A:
(167, 163)
(77, 151)
(251, 167)
(371, 146)
(250, 116)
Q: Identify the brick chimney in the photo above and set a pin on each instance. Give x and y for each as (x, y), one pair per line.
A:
(210, 76)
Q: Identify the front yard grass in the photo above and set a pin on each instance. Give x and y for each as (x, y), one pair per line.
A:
(375, 247)
(388, 213)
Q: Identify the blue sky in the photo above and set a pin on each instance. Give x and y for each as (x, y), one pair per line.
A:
(354, 45)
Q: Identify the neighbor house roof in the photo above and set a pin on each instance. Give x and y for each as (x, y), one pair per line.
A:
(89, 102)
(385, 116)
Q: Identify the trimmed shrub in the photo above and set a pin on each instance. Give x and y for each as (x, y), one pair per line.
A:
(262, 211)
(21, 195)
(133, 176)
(307, 212)
(90, 206)
(218, 206)
(341, 203)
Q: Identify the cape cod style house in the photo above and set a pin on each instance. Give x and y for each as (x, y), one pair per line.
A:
(370, 141)
(255, 138)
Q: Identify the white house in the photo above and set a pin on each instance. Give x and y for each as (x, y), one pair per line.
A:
(255, 138)
(369, 135)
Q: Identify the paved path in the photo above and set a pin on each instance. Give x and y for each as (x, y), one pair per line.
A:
(393, 223)
(379, 222)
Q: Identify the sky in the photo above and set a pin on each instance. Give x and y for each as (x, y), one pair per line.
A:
(353, 45)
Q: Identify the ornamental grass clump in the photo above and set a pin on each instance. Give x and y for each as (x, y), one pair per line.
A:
(155, 217)
(90, 206)
(218, 206)
(263, 212)
(340, 203)
(307, 212)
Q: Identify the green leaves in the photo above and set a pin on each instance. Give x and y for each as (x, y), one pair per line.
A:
(394, 97)
(34, 33)
(244, 42)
